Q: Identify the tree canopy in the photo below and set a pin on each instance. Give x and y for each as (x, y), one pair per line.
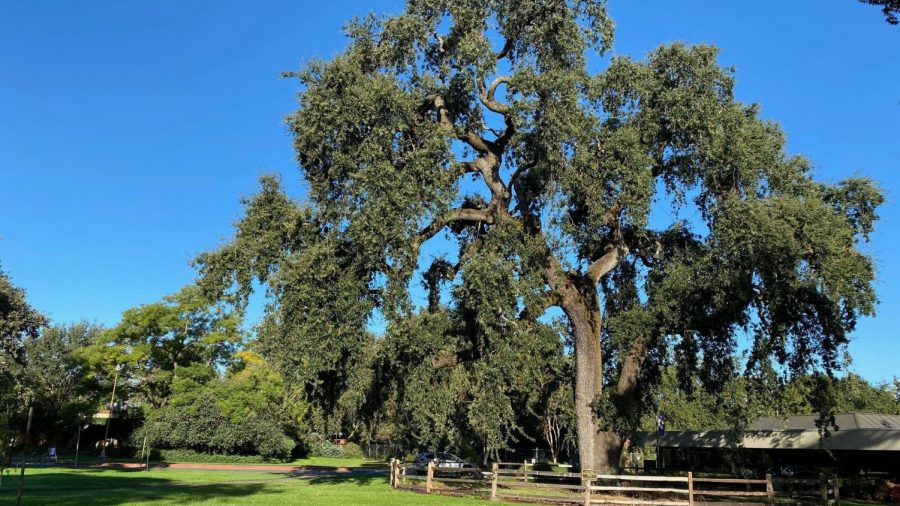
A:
(472, 145)
(154, 342)
(890, 9)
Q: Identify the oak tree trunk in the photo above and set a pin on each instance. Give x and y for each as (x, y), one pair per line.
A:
(597, 450)
(594, 448)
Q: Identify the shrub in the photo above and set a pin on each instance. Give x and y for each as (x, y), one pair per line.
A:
(353, 451)
(202, 427)
(318, 446)
(208, 458)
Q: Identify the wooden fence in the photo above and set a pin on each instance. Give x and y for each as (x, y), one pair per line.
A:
(522, 483)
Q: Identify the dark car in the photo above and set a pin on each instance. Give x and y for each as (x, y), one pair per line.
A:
(792, 471)
(440, 459)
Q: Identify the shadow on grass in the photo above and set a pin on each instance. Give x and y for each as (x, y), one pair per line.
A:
(374, 465)
(100, 487)
(360, 479)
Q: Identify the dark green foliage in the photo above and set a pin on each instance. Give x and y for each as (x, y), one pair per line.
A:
(890, 8)
(202, 426)
(249, 411)
(744, 399)
(18, 320)
(63, 391)
(480, 122)
(18, 323)
(317, 445)
(208, 458)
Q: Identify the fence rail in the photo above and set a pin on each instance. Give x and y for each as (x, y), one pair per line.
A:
(520, 482)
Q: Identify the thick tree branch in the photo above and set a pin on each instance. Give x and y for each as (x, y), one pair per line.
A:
(488, 164)
(549, 299)
(459, 214)
(606, 263)
(477, 142)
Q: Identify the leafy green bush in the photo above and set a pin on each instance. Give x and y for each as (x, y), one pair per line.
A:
(352, 451)
(318, 446)
(202, 427)
(207, 458)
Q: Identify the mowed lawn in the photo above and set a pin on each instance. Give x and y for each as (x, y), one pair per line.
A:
(96, 487)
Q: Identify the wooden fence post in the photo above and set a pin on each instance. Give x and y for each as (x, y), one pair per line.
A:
(770, 490)
(586, 483)
(690, 488)
(393, 470)
(823, 485)
(837, 491)
(494, 476)
(429, 477)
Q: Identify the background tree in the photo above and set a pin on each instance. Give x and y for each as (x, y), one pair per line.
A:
(154, 342)
(480, 129)
(63, 390)
(18, 322)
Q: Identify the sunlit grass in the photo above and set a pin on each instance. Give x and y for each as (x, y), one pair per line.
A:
(67, 487)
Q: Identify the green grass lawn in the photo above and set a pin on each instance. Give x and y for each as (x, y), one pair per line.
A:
(336, 462)
(211, 459)
(67, 487)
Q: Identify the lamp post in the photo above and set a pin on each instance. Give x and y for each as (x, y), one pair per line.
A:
(24, 456)
(660, 431)
(112, 400)
(81, 426)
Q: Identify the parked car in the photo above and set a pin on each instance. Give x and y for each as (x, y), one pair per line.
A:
(440, 459)
(792, 471)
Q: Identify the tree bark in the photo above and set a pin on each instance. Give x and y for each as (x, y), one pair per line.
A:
(581, 308)
(608, 449)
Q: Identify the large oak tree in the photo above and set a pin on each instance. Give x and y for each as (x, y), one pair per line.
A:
(474, 142)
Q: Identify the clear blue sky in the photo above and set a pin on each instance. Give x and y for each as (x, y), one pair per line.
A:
(128, 130)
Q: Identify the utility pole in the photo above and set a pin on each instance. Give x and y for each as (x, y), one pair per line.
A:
(112, 400)
(660, 431)
(24, 456)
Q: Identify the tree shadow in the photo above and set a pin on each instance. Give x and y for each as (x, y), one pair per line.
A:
(359, 479)
(101, 488)
(375, 465)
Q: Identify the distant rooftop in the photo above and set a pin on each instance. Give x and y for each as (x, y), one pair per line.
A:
(853, 431)
(843, 421)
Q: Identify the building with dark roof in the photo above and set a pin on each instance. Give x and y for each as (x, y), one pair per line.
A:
(857, 442)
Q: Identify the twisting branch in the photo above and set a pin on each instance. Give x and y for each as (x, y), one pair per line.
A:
(487, 95)
(477, 142)
(506, 49)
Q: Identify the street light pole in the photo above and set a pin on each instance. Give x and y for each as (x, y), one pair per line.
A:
(77, 444)
(24, 456)
(112, 400)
